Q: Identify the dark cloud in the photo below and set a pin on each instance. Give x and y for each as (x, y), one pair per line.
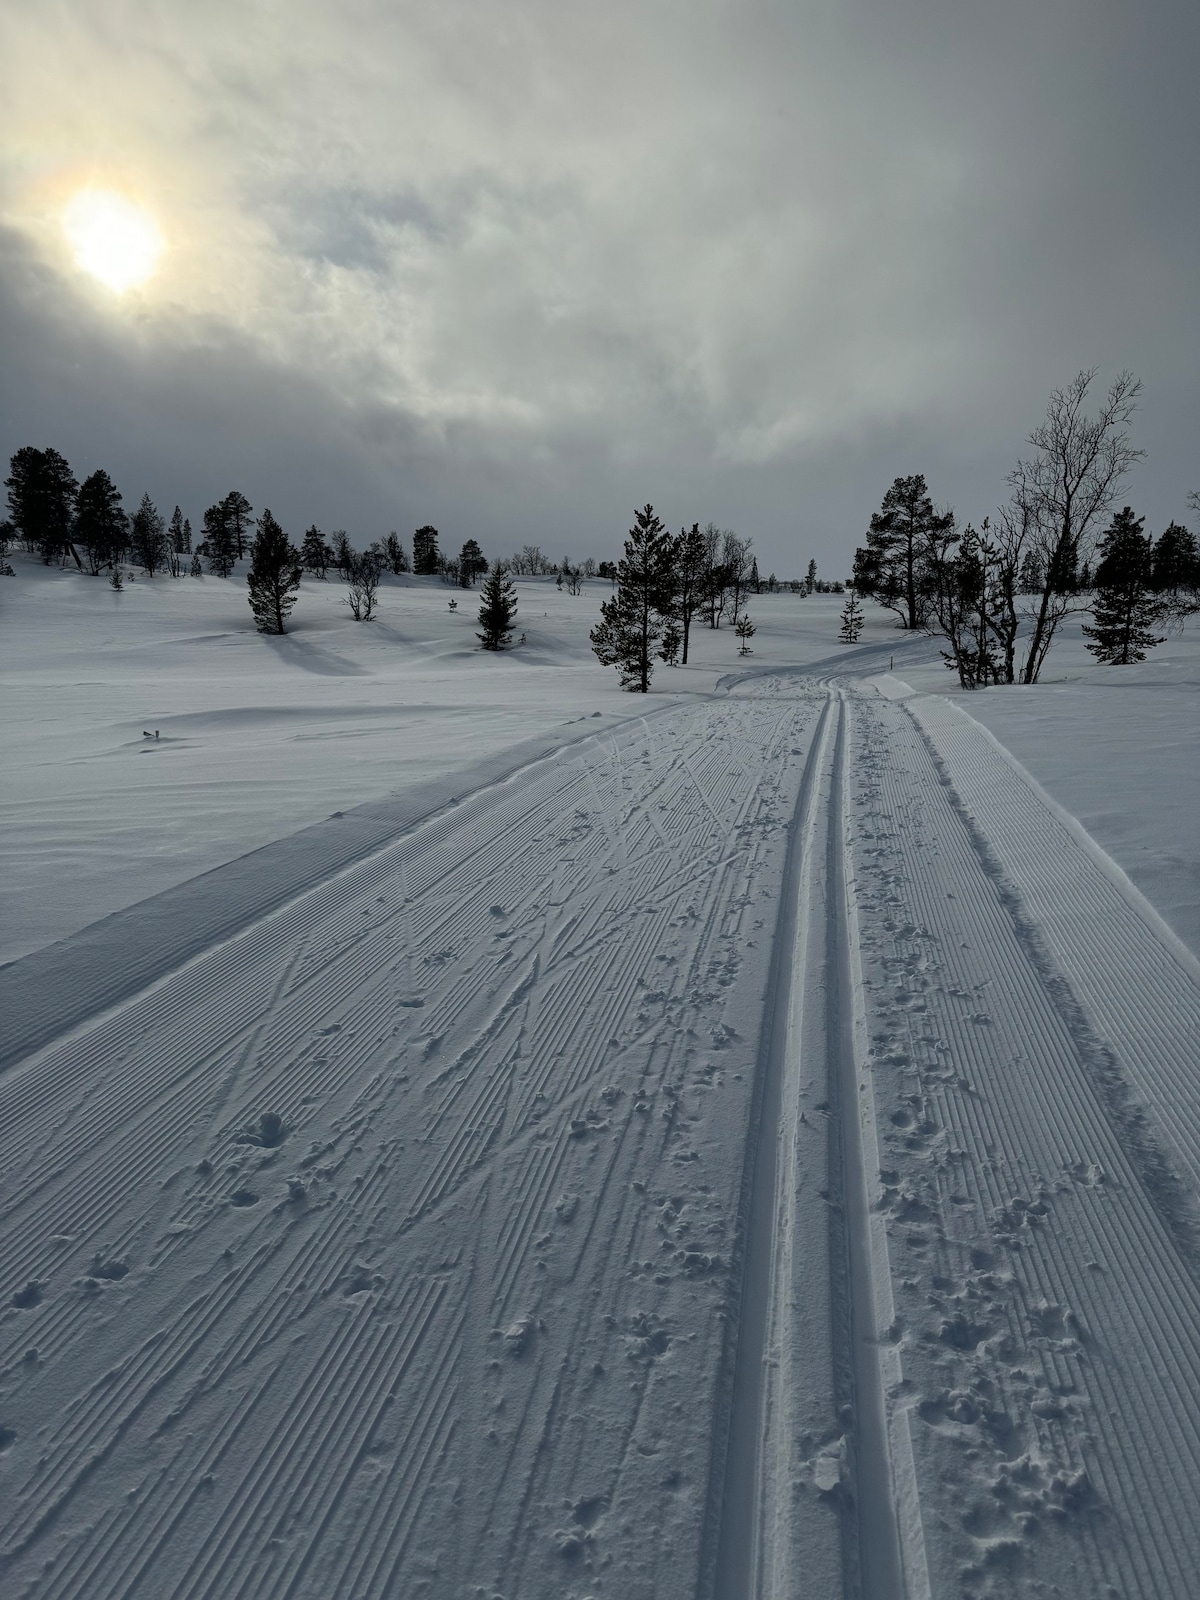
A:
(517, 270)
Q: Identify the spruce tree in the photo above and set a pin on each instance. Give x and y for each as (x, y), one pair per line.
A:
(101, 525)
(425, 551)
(196, 570)
(1125, 609)
(631, 623)
(497, 610)
(314, 552)
(274, 576)
(852, 620)
(672, 638)
(745, 631)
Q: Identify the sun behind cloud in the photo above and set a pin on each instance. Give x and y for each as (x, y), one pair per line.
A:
(114, 239)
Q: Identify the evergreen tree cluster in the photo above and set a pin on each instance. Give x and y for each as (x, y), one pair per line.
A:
(662, 583)
(1129, 604)
(1020, 577)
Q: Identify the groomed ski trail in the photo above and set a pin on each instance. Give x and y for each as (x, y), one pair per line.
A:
(975, 1225)
(388, 1247)
(1030, 1035)
(751, 1155)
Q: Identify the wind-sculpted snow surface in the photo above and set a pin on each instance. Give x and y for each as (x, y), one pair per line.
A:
(389, 1247)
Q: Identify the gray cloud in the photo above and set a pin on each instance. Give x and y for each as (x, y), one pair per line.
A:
(517, 269)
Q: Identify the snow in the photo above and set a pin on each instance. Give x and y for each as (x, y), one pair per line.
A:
(455, 1143)
(260, 736)
(1119, 749)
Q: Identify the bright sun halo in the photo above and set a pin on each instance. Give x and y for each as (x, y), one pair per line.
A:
(113, 239)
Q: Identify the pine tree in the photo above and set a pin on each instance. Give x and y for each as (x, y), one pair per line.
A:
(274, 576)
(755, 580)
(237, 512)
(471, 563)
(148, 536)
(187, 537)
(42, 492)
(672, 638)
(497, 610)
(393, 554)
(852, 620)
(1175, 563)
(1032, 573)
(196, 570)
(895, 564)
(1125, 610)
(314, 552)
(425, 551)
(631, 623)
(810, 580)
(745, 631)
(101, 525)
(219, 540)
(179, 542)
(689, 565)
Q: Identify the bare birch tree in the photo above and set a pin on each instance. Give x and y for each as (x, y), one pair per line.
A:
(1061, 493)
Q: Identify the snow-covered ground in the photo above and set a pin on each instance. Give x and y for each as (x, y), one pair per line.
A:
(745, 1142)
(260, 736)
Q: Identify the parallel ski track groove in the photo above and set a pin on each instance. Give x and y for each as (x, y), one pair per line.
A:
(271, 1322)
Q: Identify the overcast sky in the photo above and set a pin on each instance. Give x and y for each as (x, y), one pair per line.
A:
(515, 268)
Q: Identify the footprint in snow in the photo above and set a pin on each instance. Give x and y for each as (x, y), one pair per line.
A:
(269, 1134)
(110, 1271)
(25, 1299)
(243, 1197)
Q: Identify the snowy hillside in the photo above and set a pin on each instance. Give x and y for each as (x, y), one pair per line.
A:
(465, 1131)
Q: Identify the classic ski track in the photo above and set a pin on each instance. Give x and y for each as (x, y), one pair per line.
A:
(466, 1329)
(567, 1007)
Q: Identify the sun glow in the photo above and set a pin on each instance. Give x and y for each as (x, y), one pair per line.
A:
(113, 239)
